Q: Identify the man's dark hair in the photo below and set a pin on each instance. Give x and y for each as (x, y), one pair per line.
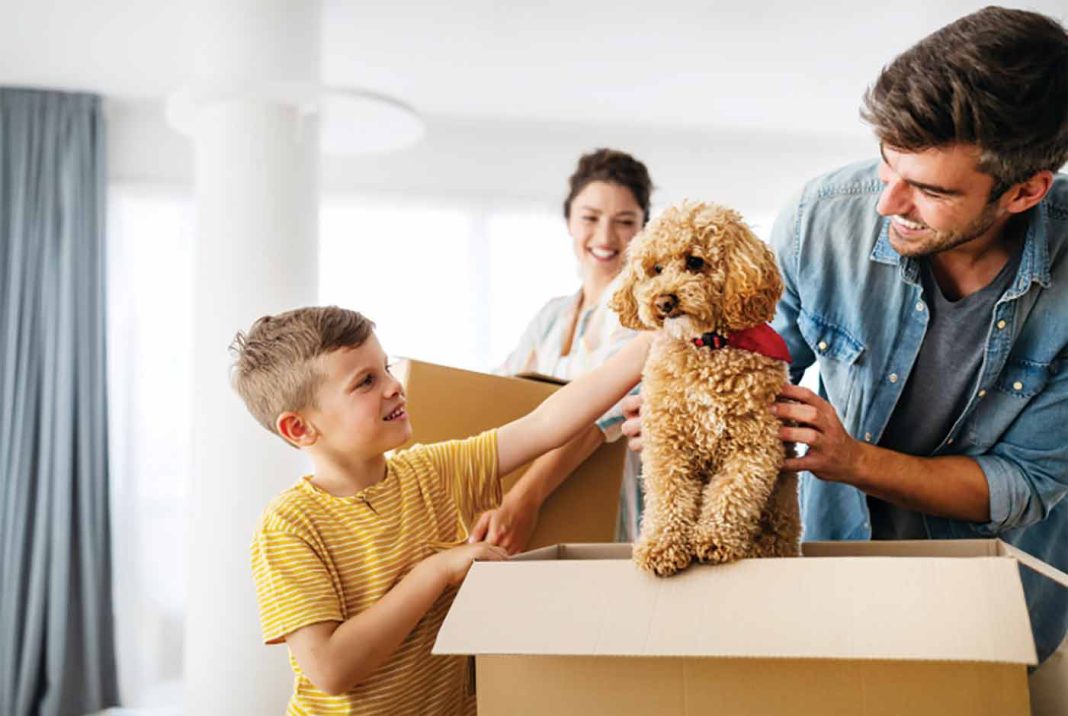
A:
(997, 78)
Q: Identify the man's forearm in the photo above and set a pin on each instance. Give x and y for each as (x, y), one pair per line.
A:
(951, 486)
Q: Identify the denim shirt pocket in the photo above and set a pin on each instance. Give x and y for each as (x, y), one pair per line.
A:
(838, 353)
(1000, 405)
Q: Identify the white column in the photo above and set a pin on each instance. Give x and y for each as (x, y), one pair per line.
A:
(257, 234)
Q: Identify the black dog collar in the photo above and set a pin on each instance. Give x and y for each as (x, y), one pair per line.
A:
(711, 340)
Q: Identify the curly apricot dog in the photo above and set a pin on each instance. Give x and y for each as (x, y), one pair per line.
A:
(712, 455)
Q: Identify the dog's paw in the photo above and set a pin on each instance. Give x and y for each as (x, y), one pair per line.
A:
(662, 557)
(715, 552)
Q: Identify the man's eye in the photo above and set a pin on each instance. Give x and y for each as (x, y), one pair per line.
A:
(694, 263)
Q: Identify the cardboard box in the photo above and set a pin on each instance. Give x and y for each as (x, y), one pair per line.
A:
(852, 628)
(446, 403)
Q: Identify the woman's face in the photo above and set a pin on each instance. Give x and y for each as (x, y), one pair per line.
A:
(604, 217)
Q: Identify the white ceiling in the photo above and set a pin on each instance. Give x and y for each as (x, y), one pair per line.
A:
(768, 64)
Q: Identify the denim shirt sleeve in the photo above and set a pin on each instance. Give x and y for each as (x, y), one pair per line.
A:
(1027, 469)
(784, 239)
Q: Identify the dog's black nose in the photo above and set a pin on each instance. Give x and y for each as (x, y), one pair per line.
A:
(666, 303)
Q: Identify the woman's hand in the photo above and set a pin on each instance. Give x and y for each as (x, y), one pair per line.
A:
(632, 424)
(510, 525)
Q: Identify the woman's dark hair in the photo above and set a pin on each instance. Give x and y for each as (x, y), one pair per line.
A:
(997, 78)
(615, 167)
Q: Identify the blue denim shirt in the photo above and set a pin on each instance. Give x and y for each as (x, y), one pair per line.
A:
(855, 306)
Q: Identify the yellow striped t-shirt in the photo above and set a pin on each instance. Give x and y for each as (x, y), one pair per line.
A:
(318, 558)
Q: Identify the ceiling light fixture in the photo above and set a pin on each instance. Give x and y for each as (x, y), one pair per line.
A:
(352, 121)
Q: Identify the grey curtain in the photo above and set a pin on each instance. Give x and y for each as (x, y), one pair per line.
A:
(56, 636)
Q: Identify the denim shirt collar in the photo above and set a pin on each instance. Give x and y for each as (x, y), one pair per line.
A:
(1034, 261)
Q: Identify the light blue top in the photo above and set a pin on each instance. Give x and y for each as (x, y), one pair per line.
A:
(856, 306)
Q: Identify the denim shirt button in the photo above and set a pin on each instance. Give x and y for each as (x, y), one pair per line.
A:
(982, 393)
(822, 346)
(919, 305)
(1001, 324)
(867, 437)
(893, 377)
(1017, 386)
(949, 442)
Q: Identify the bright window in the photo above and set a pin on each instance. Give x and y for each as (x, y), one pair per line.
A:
(150, 372)
(447, 285)
(530, 261)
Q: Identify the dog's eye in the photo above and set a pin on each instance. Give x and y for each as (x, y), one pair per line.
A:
(657, 268)
(694, 263)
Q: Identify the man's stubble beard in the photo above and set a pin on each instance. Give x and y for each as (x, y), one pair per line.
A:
(941, 241)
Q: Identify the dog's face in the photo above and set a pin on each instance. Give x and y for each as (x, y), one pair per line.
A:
(697, 268)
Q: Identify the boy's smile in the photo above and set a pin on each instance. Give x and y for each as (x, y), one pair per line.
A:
(397, 414)
(360, 407)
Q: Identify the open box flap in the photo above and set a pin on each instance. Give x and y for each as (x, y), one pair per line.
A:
(852, 607)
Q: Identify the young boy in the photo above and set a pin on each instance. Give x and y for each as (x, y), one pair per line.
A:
(357, 564)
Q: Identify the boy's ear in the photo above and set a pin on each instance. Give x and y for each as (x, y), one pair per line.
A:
(296, 430)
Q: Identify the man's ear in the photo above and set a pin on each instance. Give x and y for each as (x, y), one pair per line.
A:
(1021, 197)
(296, 429)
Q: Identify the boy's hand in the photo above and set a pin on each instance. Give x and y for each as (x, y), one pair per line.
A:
(632, 425)
(510, 525)
(454, 563)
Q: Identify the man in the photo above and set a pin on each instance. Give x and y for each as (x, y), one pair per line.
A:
(931, 288)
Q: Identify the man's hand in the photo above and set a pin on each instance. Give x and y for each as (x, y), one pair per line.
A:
(832, 453)
(455, 562)
(632, 425)
(510, 525)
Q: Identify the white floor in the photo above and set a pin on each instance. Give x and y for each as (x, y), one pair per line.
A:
(163, 699)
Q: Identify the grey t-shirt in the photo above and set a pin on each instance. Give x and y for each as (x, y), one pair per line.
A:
(938, 386)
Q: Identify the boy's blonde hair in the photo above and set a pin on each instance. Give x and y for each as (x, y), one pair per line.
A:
(275, 361)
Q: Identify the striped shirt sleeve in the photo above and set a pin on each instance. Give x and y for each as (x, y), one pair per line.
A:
(468, 469)
(293, 587)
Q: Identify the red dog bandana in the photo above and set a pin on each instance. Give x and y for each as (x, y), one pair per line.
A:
(760, 339)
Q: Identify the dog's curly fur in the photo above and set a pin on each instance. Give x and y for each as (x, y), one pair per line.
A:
(712, 455)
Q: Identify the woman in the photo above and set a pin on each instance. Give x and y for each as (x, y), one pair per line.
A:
(607, 205)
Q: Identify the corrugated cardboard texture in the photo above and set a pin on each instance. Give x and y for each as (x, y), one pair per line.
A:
(942, 609)
(448, 403)
(625, 686)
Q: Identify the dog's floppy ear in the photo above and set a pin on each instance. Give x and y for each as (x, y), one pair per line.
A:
(753, 285)
(623, 301)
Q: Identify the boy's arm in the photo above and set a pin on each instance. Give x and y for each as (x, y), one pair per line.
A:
(337, 656)
(575, 406)
(512, 524)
